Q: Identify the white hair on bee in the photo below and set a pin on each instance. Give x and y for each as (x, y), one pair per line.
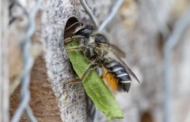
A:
(91, 39)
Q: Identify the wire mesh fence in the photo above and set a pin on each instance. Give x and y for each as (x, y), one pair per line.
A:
(170, 41)
(27, 64)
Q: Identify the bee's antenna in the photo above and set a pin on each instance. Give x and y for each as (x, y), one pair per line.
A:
(73, 25)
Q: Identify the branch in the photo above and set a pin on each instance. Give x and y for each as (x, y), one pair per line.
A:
(72, 99)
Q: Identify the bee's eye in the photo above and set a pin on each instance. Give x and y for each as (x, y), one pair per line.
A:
(99, 38)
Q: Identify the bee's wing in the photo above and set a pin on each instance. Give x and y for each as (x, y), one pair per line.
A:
(127, 68)
(117, 51)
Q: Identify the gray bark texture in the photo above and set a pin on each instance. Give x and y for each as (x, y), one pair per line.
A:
(4, 81)
(54, 18)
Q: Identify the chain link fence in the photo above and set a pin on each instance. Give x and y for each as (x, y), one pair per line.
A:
(27, 64)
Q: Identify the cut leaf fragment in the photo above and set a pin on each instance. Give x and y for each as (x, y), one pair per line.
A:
(94, 85)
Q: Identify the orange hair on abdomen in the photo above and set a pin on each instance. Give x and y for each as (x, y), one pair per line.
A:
(110, 79)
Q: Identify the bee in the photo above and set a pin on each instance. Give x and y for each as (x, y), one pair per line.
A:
(101, 54)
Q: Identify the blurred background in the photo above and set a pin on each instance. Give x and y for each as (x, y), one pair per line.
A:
(153, 33)
(149, 31)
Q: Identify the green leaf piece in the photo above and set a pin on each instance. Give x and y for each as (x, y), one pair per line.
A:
(94, 85)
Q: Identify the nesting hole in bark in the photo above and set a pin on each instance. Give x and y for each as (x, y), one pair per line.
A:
(69, 32)
(70, 21)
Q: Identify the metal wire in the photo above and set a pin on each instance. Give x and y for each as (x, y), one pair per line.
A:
(27, 65)
(89, 12)
(111, 15)
(107, 20)
(173, 39)
(170, 42)
(164, 29)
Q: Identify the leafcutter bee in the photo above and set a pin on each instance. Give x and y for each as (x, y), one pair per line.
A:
(101, 54)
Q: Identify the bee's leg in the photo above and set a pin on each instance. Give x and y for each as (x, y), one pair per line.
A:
(92, 67)
(74, 81)
(73, 38)
(77, 80)
(75, 48)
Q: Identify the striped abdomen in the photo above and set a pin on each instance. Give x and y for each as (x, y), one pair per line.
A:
(119, 72)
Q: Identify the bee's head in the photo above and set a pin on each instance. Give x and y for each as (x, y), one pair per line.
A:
(100, 39)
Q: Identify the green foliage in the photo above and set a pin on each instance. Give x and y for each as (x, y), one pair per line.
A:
(94, 85)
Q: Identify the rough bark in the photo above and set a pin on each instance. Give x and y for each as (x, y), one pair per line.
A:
(55, 16)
